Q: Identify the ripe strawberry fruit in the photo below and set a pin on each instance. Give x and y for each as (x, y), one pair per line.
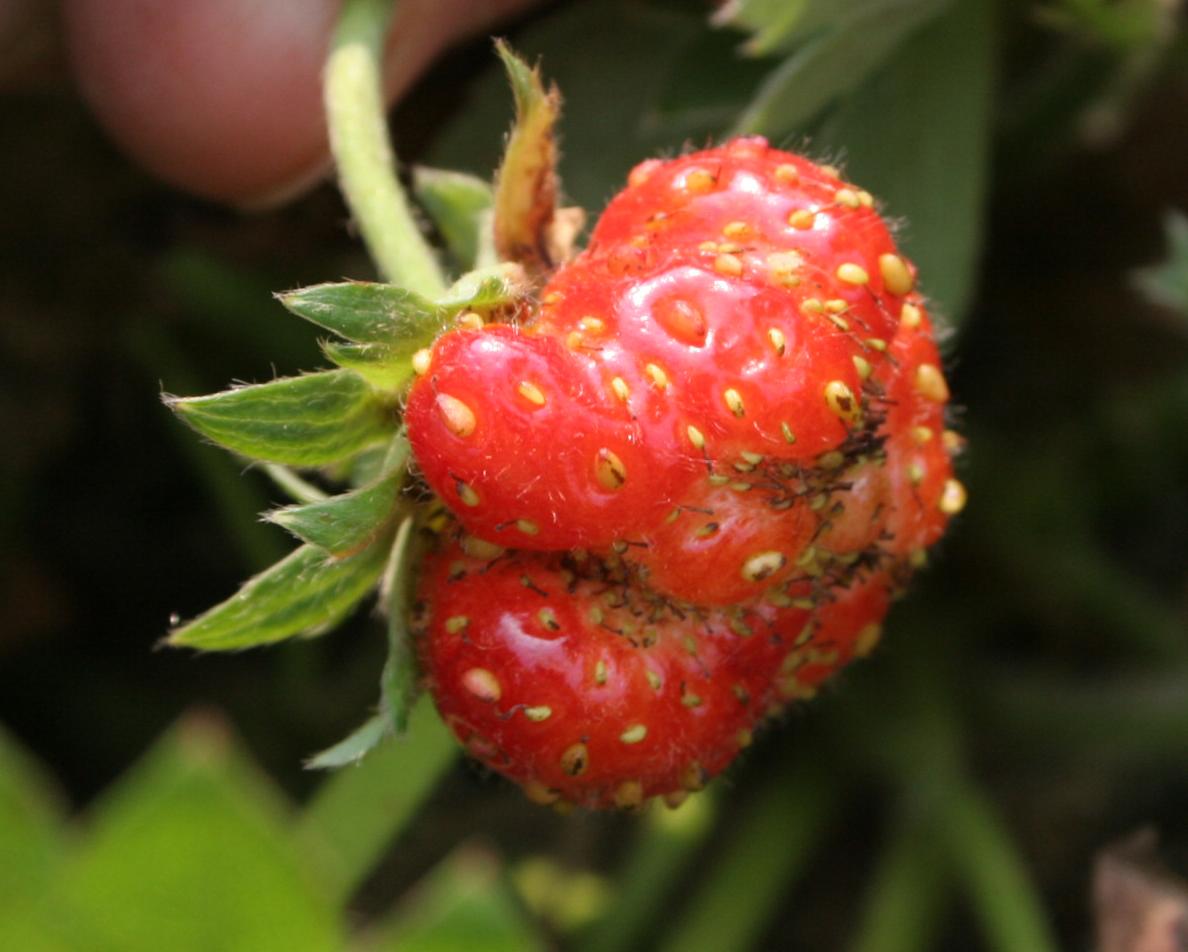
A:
(727, 408)
(584, 687)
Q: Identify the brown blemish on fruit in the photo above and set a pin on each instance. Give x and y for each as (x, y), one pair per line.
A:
(841, 401)
(575, 760)
(482, 684)
(457, 416)
(609, 470)
(897, 276)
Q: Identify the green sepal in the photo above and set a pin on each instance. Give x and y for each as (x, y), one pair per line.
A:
(399, 682)
(345, 523)
(302, 421)
(485, 290)
(355, 746)
(367, 312)
(526, 185)
(383, 367)
(456, 203)
(304, 593)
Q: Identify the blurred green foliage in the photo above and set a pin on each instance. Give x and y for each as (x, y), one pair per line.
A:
(1031, 702)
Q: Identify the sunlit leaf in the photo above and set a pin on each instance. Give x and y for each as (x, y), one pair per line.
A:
(355, 746)
(304, 593)
(303, 421)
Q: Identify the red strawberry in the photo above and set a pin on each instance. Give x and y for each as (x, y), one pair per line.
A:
(715, 449)
(566, 677)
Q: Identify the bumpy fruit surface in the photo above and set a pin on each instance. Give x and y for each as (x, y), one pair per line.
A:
(727, 416)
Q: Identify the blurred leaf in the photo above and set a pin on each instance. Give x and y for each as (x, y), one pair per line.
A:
(604, 129)
(663, 849)
(779, 25)
(303, 594)
(832, 63)
(464, 903)
(358, 811)
(456, 203)
(303, 421)
(1167, 283)
(31, 828)
(191, 851)
(345, 523)
(368, 312)
(526, 184)
(744, 885)
(564, 897)
(917, 135)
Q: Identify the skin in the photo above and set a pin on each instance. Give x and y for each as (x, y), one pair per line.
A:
(221, 98)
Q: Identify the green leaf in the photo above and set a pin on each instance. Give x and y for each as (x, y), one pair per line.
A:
(917, 136)
(831, 64)
(1167, 283)
(456, 202)
(303, 421)
(464, 903)
(368, 312)
(526, 185)
(31, 828)
(383, 367)
(303, 594)
(771, 21)
(192, 851)
(355, 746)
(487, 289)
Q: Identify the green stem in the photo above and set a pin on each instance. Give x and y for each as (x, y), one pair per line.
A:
(359, 140)
(757, 867)
(981, 852)
(905, 905)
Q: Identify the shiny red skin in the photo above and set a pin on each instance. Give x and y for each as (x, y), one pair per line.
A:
(715, 674)
(653, 278)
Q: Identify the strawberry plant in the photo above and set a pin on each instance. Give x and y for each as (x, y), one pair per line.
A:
(664, 486)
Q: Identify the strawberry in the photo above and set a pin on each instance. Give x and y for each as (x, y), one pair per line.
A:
(562, 674)
(723, 425)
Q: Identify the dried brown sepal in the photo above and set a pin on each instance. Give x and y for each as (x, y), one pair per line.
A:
(527, 227)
